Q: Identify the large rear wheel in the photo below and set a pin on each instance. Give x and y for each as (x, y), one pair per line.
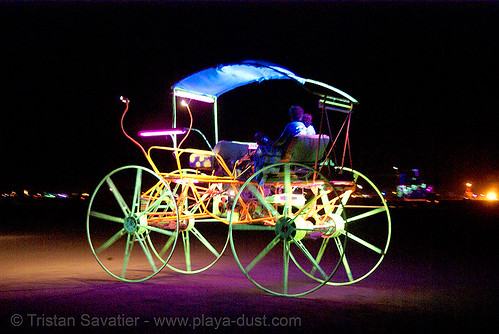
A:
(276, 229)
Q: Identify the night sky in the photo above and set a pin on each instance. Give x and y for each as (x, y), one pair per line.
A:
(426, 77)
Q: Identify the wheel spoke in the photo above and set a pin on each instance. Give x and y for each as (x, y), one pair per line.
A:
(262, 200)
(367, 214)
(187, 250)
(205, 242)
(157, 202)
(344, 259)
(246, 227)
(285, 268)
(287, 190)
(107, 217)
(318, 258)
(167, 245)
(262, 254)
(128, 251)
(309, 256)
(146, 251)
(364, 243)
(159, 230)
(111, 241)
(137, 192)
(344, 199)
(118, 197)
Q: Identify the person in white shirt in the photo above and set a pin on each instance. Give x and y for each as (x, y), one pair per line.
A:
(307, 120)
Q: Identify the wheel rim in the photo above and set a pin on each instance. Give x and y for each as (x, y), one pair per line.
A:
(119, 228)
(203, 240)
(288, 257)
(367, 227)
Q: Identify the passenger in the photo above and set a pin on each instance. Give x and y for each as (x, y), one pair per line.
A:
(269, 153)
(294, 128)
(307, 120)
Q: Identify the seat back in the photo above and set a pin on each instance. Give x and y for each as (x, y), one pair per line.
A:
(231, 151)
(303, 148)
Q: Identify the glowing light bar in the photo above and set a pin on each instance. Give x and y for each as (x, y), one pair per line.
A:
(166, 132)
(252, 146)
(193, 96)
(186, 181)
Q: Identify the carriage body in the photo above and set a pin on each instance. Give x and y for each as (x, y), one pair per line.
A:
(294, 223)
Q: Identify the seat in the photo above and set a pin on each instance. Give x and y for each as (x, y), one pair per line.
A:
(303, 149)
(230, 151)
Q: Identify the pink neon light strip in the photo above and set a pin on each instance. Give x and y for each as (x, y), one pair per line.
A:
(167, 132)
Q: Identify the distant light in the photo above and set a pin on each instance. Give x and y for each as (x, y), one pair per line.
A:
(193, 96)
(166, 132)
(491, 196)
(468, 184)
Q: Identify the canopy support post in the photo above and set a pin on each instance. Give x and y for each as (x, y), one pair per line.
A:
(174, 138)
(215, 111)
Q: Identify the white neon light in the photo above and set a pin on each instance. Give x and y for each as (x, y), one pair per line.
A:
(194, 96)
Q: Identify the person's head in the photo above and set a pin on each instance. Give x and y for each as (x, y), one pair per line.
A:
(307, 119)
(296, 113)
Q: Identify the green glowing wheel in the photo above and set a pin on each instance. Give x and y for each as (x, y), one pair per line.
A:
(202, 238)
(123, 232)
(361, 208)
(277, 226)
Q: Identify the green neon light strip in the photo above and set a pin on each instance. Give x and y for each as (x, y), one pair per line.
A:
(336, 90)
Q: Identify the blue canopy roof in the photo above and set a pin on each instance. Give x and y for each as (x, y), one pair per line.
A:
(215, 81)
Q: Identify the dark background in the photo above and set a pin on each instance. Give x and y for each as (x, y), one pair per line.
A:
(425, 75)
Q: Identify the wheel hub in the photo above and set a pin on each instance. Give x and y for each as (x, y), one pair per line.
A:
(337, 226)
(285, 228)
(131, 225)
